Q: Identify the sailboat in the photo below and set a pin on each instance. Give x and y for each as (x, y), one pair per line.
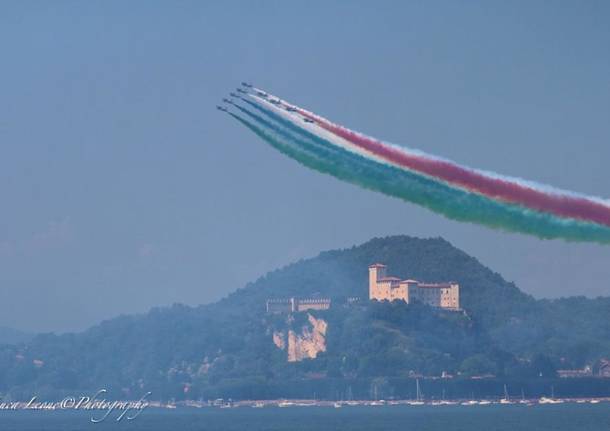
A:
(523, 400)
(445, 402)
(484, 402)
(350, 397)
(376, 401)
(552, 400)
(418, 398)
(442, 401)
(506, 399)
(471, 402)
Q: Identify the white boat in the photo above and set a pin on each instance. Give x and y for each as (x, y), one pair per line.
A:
(546, 400)
(523, 400)
(443, 401)
(552, 400)
(418, 397)
(506, 399)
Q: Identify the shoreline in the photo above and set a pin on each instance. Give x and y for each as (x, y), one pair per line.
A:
(284, 403)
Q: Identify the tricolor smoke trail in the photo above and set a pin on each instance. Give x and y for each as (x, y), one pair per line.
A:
(458, 192)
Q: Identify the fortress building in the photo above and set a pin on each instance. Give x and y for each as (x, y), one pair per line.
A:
(295, 305)
(384, 288)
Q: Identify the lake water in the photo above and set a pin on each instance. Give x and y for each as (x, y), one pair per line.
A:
(580, 417)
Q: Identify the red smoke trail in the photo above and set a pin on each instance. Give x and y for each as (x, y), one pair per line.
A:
(561, 205)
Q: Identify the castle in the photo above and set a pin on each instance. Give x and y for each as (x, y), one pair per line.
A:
(384, 288)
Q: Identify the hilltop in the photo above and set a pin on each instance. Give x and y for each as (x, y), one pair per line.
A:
(233, 348)
(343, 273)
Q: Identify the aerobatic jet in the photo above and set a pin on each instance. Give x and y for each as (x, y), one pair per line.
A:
(239, 90)
(246, 84)
(221, 108)
(307, 120)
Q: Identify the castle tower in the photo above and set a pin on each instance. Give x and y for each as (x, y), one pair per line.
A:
(376, 272)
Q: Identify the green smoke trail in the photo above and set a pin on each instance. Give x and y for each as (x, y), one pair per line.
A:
(454, 203)
(288, 130)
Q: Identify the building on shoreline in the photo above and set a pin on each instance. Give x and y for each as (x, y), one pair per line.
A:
(295, 305)
(604, 368)
(585, 372)
(384, 288)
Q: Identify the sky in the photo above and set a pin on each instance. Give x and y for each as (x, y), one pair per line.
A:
(123, 188)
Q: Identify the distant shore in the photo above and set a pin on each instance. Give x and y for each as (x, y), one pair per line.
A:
(283, 403)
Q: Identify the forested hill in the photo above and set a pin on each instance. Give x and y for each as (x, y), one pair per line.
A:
(342, 273)
(232, 348)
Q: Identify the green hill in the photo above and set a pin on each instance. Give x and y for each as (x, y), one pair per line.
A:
(232, 348)
(341, 273)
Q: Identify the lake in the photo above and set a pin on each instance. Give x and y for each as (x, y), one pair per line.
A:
(569, 416)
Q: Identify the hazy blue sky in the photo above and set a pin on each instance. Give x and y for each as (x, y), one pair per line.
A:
(123, 188)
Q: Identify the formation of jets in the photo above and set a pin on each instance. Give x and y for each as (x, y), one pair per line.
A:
(240, 91)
